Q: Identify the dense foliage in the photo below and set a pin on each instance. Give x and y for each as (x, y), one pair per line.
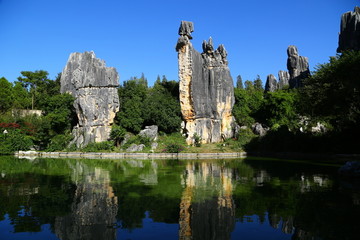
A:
(143, 106)
(20, 131)
(322, 116)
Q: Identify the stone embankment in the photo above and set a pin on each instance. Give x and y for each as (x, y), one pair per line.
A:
(97, 155)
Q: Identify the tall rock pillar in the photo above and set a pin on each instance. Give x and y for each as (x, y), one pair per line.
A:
(349, 37)
(298, 67)
(206, 89)
(94, 87)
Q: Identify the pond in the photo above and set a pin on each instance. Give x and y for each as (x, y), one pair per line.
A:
(175, 199)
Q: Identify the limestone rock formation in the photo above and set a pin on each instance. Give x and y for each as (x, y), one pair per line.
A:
(349, 37)
(298, 67)
(284, 78)
(94, 87)
(206, 89)
(271, 84)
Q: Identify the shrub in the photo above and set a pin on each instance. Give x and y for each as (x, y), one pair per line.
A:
(13, 141)
(59, 142)
(100, 146)
(173, 148)
(197, 140)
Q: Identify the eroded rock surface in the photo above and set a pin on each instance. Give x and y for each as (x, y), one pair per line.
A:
(271, 84)
(206, 89)
(298, 67)
(349, 37)
(94, 87)
(284, 78)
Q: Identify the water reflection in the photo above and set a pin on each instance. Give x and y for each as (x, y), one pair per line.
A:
(103, 199)
(93, 209)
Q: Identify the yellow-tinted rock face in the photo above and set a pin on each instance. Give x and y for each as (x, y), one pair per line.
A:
(206, 89)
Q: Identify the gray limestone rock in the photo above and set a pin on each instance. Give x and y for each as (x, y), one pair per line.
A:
(349, 37)
(94, 87)
(135, 148)
(206, 89)
(258, 129)
(271, 84)
(298, 67)
(284, 78)
(150, 131)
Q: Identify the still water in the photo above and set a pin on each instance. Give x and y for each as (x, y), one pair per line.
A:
(175, 199)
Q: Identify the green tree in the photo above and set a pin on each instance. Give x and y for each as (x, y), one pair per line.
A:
(239, 83)
(36, 82)
(132, 96)
(258, 85)
(279, 108)
(162, 106)
(22, 99)
(333, 91)
(6, 95)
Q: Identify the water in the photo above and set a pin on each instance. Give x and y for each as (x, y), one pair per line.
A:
(175, 199)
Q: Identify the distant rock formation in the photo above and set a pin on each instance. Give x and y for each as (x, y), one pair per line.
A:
(284, 78)
(206, 89)
(298, 67)
(94, 87)
(349, 37)
(271, 84)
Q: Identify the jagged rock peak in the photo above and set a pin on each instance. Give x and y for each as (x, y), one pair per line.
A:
(85, 70)
(271, 84)
(298, 67)
(349, 37)
(186, 28)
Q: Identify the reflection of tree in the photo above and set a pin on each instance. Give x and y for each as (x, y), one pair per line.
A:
(207, 209)
(94, 207)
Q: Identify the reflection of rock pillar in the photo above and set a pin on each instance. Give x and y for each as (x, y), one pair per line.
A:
(185, 206)
(213, 218)
(94, 208)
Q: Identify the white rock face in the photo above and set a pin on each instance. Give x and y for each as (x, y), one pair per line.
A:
(94, 87)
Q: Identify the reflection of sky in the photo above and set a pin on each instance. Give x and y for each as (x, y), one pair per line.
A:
(150, 230)
(254, 230)
(7, 232)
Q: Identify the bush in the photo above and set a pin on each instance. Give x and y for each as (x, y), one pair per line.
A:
(98, 147)
(197, 140)
(59, 142)
(13, 141)
(173, 148)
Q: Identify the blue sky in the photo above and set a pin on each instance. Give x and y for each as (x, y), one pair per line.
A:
(139, 36)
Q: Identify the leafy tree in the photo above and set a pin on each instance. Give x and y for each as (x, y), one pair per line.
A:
(258, 85)
(36, 82)
(6, 95)
(332, 92)
(162, 106)
(280, 108)
(22, 99)
(247, 105)
(132, 95)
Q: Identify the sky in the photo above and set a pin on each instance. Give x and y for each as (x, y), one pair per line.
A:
(139, 36)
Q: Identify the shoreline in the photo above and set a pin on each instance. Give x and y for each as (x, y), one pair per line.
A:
(96, 155)
(109, 155)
